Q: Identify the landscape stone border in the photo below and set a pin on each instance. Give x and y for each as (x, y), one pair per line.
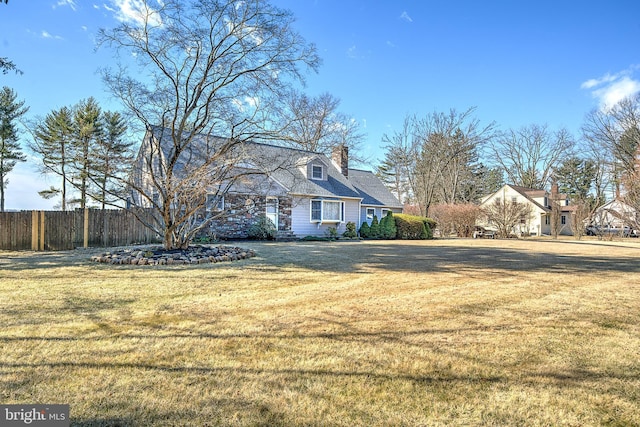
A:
(157, 255)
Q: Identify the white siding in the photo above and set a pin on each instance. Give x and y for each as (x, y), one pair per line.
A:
(535, 224)
(302, 226)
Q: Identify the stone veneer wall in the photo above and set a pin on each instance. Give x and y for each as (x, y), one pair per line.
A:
(242, 211)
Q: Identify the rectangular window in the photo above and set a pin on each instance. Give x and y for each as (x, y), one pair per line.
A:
(327, 211)
(563, 219)
(547, 221)
(316, 210)
(370, 213)
(316, 172)
(514, 200)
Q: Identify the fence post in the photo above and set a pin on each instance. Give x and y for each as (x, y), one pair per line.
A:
(34, 230)
(41, 231)
(86, 227)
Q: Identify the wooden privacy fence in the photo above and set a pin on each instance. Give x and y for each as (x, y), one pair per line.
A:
(57, 230)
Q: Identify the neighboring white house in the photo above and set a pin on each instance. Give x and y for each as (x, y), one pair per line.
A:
(305, 195)
(616, 215)
(538, 222)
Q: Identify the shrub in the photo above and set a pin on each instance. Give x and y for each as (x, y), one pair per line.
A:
(459, 218)
(388, 228)
(374, 229)
(332, 233)
(412, 227)
(351, 230)
(262, 229)
(365, 231)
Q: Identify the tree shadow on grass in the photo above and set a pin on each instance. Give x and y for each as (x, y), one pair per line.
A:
(434, 258)
(354, 257)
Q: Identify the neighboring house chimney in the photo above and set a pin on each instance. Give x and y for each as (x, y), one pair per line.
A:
(554, 191)
(340, 157)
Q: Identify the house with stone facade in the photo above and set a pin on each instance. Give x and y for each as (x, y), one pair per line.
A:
(539, 202)
(303, 193)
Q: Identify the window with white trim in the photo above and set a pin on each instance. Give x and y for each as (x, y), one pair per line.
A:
(327, 211)
(370, 213)
(316, 172)
(384, 212)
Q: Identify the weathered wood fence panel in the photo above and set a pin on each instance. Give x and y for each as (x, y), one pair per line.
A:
(15, 230)
(56, 230)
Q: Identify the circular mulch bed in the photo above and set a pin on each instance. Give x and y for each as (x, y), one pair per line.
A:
(157, 255)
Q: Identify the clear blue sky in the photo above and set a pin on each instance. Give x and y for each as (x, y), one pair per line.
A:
(518, 62)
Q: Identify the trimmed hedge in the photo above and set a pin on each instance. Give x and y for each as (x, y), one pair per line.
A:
(412, 227)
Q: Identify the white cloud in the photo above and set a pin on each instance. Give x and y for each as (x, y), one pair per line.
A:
(405, 17)
(70, 3)
(45, 35)
(610, 89)
(134, 12)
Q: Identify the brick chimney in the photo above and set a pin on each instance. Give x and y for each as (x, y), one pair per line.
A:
(340, 157)
(554, 190)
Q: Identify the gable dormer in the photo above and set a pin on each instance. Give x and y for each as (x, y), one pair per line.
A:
(314, 168)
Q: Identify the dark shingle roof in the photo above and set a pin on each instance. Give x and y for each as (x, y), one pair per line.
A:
(286, 167)
(371, 189)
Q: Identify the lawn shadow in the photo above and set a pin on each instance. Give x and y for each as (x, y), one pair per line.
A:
(433, 257)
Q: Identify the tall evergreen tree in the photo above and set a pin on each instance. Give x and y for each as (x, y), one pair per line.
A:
(10, 152)
(87, 131)
(111, 158)
(53, 141)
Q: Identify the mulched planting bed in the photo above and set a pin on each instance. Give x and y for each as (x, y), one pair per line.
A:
(157, 255)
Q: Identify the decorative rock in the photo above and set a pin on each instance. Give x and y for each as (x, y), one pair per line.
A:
(198, 254)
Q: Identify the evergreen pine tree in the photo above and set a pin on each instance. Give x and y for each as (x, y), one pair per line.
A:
(388, 228)
(374, 229)
(53, 142)
(365, 231)
(10, 152)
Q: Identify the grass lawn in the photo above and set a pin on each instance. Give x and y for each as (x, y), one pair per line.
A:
(444, 332)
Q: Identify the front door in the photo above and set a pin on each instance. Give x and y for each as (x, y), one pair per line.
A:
(272, 210)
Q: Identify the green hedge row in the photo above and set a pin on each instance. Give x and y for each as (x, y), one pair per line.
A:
(398, 226)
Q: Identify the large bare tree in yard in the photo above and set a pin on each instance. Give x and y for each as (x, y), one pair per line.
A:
(507, 215)
(204, 69)
(529, 155)
(615, 134)
(315, 124)
(616, 131)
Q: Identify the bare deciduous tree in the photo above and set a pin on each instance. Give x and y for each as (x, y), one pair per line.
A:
(506, 215)
(529, 155)
(441, 151)
(315, 124)
(206, 69)
(615, 135)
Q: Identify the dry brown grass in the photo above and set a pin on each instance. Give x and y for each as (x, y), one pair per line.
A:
(446, 332)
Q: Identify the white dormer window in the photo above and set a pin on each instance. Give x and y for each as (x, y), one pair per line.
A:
(316, 172)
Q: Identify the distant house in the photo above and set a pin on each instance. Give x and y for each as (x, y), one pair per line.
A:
(304, 196)
(616, 215)
(538, 222)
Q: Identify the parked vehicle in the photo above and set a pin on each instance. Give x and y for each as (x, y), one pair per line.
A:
(595, 230)
(483, 233)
